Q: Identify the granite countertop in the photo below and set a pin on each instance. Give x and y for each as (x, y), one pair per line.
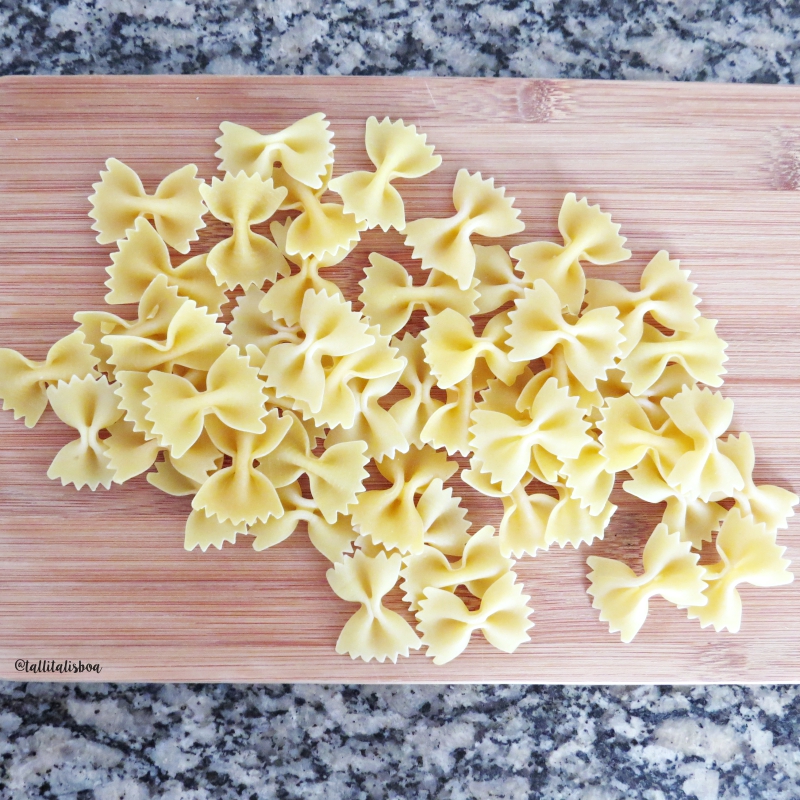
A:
(583, 743)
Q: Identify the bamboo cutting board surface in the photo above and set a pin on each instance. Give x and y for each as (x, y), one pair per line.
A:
(709, 173)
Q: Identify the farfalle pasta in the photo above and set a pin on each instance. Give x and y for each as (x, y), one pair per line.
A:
(176, 207)
(396, 151)
(303, 411)
(89, 405)
(444, 244)
(389, 296)
(245, 258)
(589, 235)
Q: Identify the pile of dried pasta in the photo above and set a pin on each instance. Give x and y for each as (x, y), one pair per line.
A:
(272, 420)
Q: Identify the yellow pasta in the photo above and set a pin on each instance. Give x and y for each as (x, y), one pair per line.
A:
(335, 478)
(23, 383)
(330, 328)
(505, 446)
(480, 566)
(590, 344)
(285, 297)
(589, 235)
(89, 405)
(142, 256)
(271, 419)
(670, 570)
(333, 539)
(304, 150)
(245, 258)
(748, 554)
(176, 207)
(374, 631)
(397, 151)
(444, 244)
(234, 393)
(390, 517)
(241, 493)
(701, 354)
(389, 296)
(413, 412)
(769, 505)
(447, 624)
(703, 416)
(665, 292)
(452, 348)
(322, 229)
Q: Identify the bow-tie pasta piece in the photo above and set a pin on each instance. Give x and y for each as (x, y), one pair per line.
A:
(330, 328)
(670, 570)
(389, 296)
(129, 453)
(672, 380)
(627, 436)
(748, 554)
(497, 281)
(571, 523)
(203, 531)
(770, 505)
(169, 480)
(448, 425)
(397, 151)
(480, 566)
(444, 244)
(304, 150)
(373, 370)
(333, 539)
(285, 297)
(176, 207)
(505, 446)
(234, 393)
(322, 229)
(89, 405)
(373, 424)
(703, 416)
(695, 519)
(156, 309)
(245, 258)
(374, 631)
(444, 520)
(413, 412)
(452, 348)
(589, 235)
(590, 345)
(390, 516)
(193, 338)
(588, 478)
(701, 354)
(665, 292)
(23, 383)
(447, 624)
(143, 256)
(335, 478)
(255, 332)
(556, 367)
(241, 493)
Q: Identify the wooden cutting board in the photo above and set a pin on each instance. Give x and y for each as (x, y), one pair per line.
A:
(708, 172)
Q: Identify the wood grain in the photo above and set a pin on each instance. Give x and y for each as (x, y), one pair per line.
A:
(707, 172)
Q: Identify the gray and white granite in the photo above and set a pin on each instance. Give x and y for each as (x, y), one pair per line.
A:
(721, 40)
(81, 741)
(303, 742)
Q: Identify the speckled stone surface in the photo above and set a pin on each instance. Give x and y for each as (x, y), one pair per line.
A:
(723, 40)
(421, 742)
(448, 743)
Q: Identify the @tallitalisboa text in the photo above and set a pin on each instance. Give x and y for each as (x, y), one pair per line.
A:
(51, 666)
